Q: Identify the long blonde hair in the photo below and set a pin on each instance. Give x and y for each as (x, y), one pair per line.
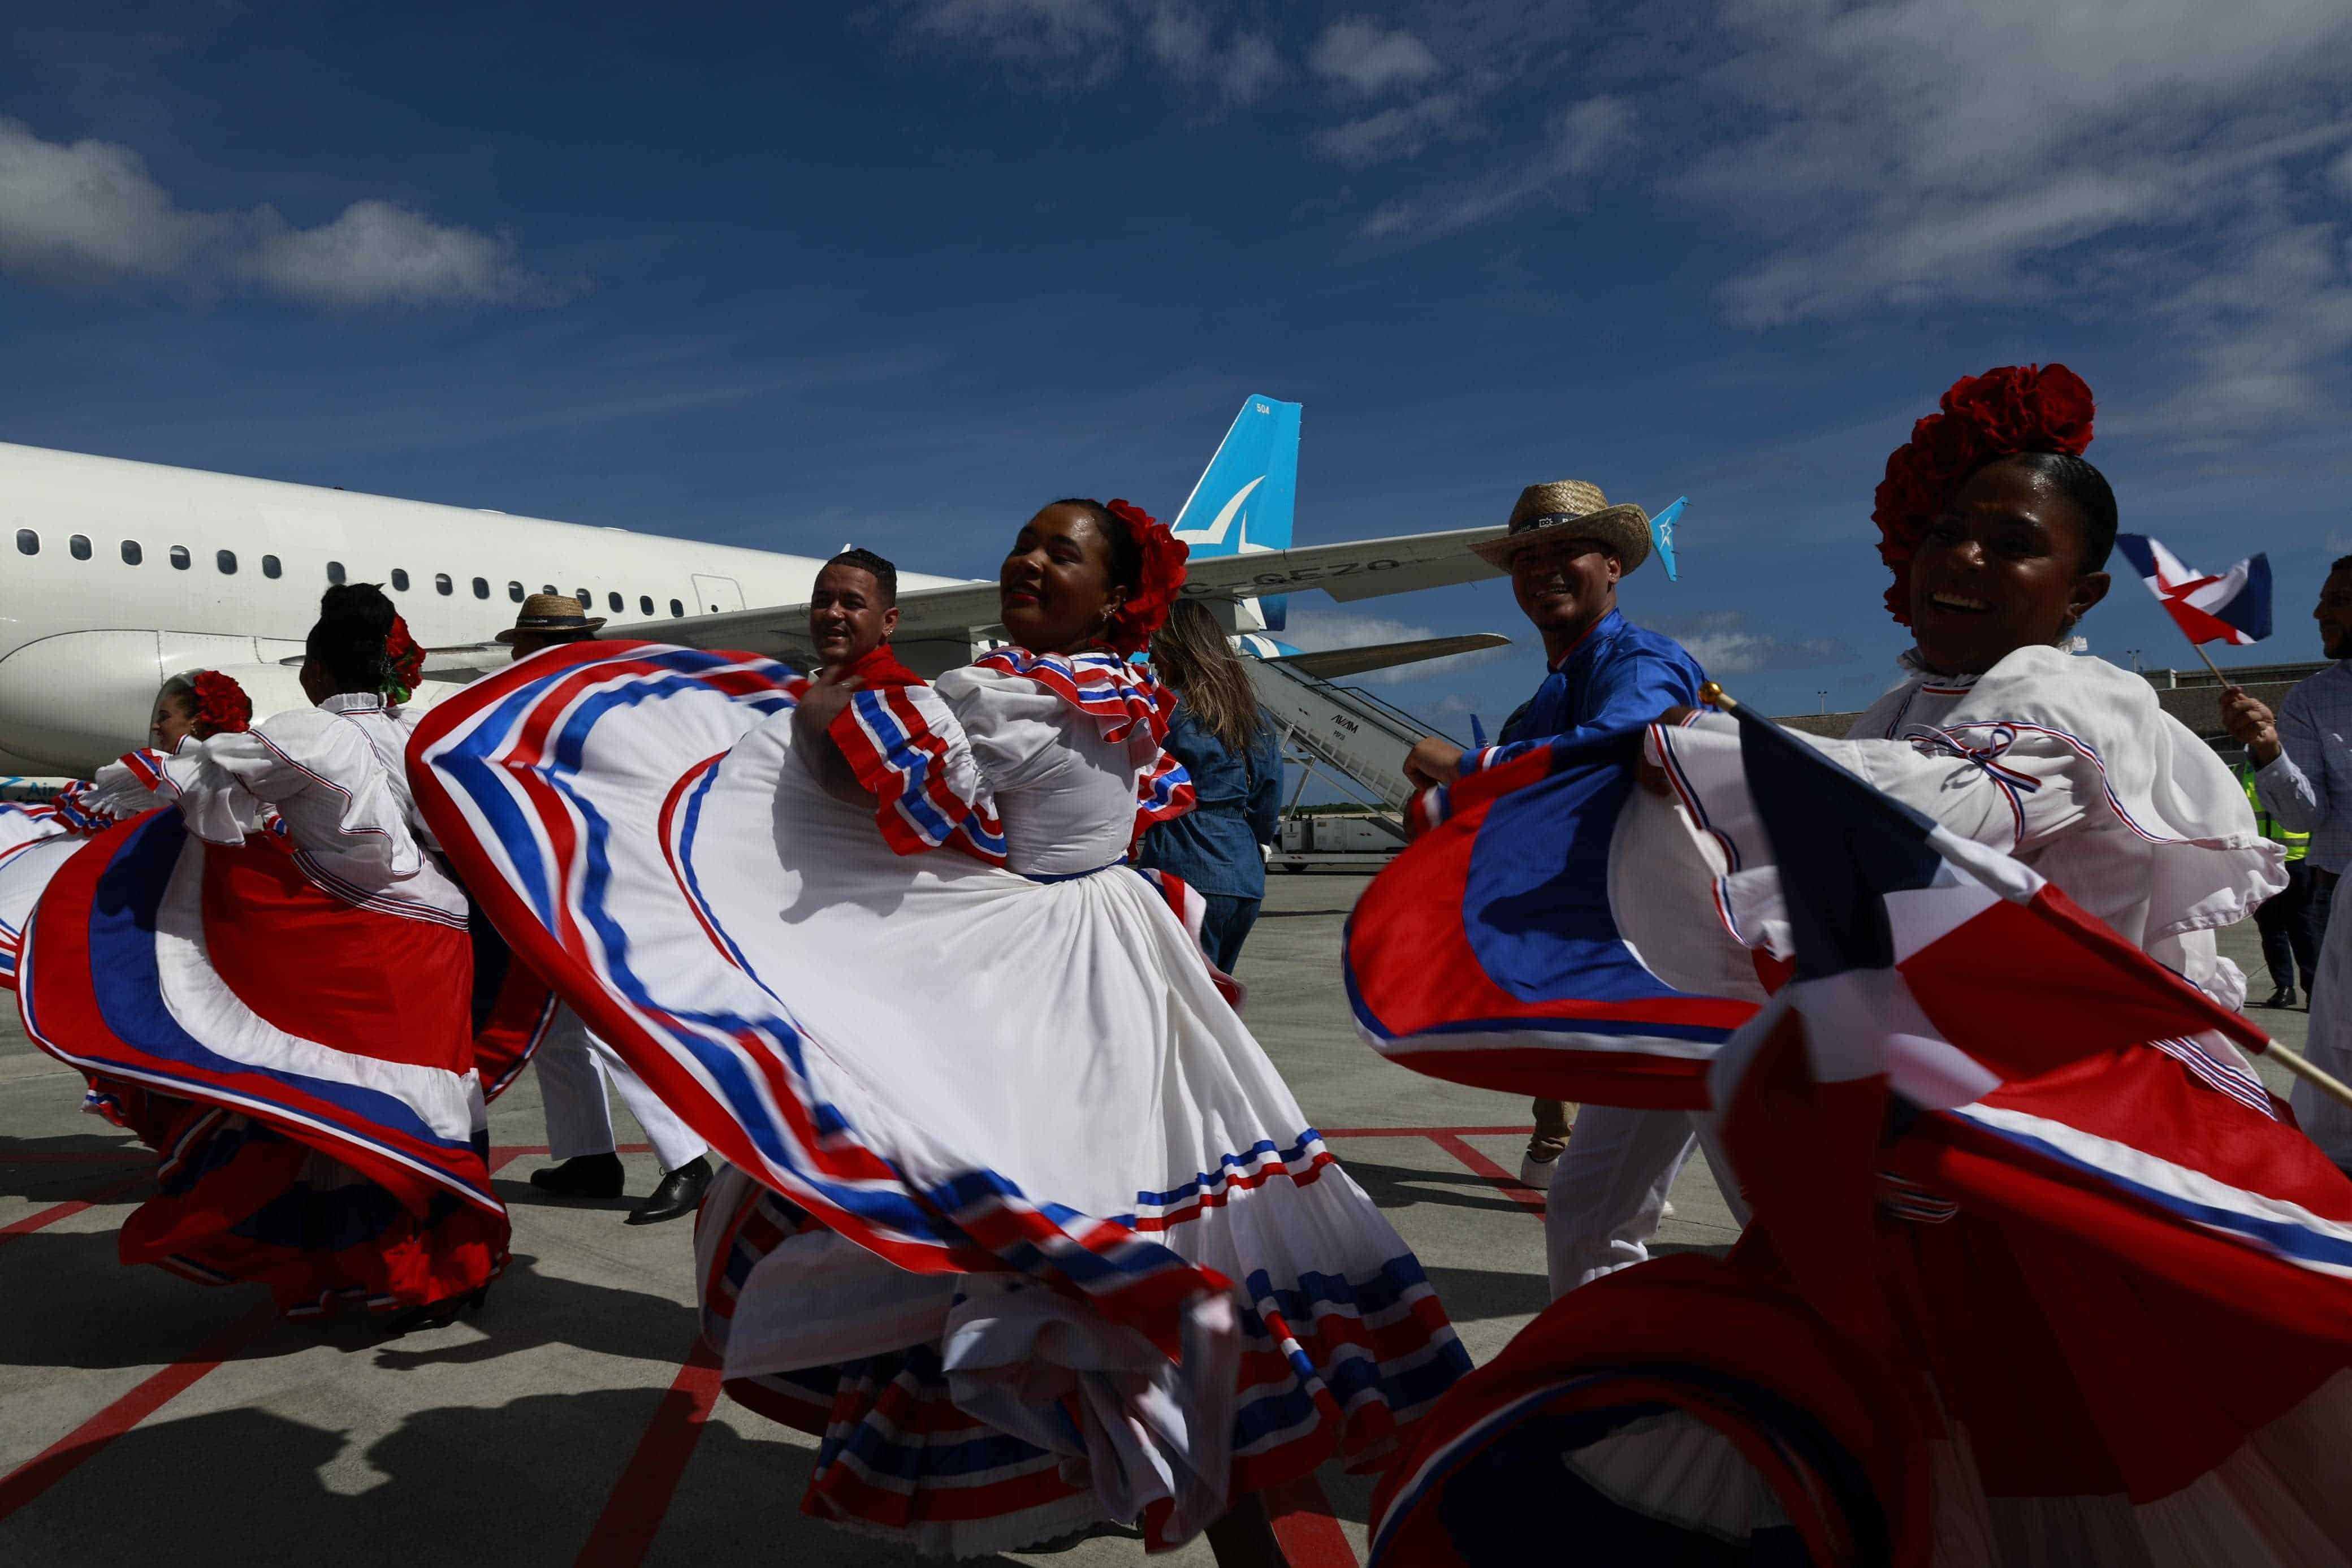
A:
(1192, 655)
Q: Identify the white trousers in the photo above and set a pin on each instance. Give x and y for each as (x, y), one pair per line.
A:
(574, 1066)
(2325, 1122)
(1608, 1186)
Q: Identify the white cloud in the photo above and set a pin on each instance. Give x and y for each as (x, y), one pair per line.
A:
(66, 210)
(1316, 631)
(1370, 58)
(1239, 70)
(378, 254)
(1580, 143)
(1065, 43)
(1072, 46)
(1912, 150)
(1397, 132)
(90, 211)
(1724, 643)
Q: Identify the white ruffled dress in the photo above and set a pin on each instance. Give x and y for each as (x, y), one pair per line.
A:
(1025, 1225)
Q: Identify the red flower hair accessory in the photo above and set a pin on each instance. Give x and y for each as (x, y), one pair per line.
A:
(1161, 579)
(222, 707)
(2006, 411)
(407, 659)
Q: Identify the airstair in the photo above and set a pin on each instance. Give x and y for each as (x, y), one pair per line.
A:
(1349, 735)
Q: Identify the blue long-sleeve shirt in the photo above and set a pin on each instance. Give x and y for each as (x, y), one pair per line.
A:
(1215, 845)
(1617, 675)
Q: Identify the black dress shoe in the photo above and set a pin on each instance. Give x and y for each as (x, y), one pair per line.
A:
(581, 1176)
(677, 1193)
(2282, 998)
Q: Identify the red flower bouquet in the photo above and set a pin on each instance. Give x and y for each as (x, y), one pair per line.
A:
(1164, 554)
(2005, 410)
(407, 659)
(222, 707)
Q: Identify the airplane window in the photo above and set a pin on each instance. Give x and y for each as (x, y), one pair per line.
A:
(334, 569)
(587, 599)
(226, 560)
(514, 592)
(645, 604)
(79, 546)
(481, 588)
(441, 583)
(269, 567)
(549, 588)
(614, 601)
(676, 610)
(400, 578)
(180, 559)
(132, 554)
(28, 542)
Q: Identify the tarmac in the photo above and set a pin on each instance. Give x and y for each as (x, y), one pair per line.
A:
(573, 1421)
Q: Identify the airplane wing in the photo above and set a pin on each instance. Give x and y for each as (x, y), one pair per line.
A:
(1360, 569)
(1338, 664)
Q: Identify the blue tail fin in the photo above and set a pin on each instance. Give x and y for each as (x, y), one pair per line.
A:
(1243, 501)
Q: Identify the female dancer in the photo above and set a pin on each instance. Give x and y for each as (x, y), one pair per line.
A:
(1022, 1223)
(271, 985)
(1235, 760)
(2110, 1302)
(37, 838)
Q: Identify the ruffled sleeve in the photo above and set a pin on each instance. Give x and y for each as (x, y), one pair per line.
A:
(910, 753)
(131, 784)
(320, 774)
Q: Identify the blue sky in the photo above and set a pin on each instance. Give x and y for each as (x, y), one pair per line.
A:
(900, 272)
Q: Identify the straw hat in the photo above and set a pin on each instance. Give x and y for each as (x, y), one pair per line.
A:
(1566, 510)
(557, 614)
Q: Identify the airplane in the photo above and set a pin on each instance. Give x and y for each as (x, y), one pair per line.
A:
(121, 574)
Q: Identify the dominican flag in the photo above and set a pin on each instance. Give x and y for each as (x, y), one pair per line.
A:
(1490, 953)
(1902, 932)
(2231, 606)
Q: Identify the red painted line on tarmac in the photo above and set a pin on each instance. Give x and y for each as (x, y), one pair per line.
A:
(44, 1218)
(1310, 1536)
(633, 1513)
(1525, 1195)
(61, 1459)
(1521, 1130)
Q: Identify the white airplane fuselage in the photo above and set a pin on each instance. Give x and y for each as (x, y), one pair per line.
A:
(115, 575)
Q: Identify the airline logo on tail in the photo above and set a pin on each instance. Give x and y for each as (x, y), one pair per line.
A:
(1243, 504)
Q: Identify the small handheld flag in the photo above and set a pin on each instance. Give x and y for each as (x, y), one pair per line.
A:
(1661, 531)
(2231, 606)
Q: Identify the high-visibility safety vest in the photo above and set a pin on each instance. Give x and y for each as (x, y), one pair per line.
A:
(2273, 830)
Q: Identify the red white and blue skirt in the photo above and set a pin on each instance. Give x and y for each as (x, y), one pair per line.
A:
(303, 1066)
(1022, 1224)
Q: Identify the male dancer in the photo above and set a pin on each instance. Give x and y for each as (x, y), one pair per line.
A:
(853, 609)
(1566, 551)
(573, 1064)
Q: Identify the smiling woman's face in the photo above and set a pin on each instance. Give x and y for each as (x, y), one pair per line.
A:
(175, 715)
(1055, 589)
(2000, 569)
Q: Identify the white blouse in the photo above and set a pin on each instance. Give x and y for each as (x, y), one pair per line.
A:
(335, 777)
(2072, 766)
(1066, 796)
